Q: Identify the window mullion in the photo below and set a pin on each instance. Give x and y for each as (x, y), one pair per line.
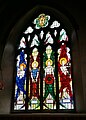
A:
(41, 77)
(27, 79)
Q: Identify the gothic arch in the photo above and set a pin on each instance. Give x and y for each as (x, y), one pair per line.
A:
(23, 23)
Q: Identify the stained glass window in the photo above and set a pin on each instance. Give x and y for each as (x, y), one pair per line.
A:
(43, 79)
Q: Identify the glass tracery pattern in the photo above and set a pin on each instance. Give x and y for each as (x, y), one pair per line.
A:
(43, 67)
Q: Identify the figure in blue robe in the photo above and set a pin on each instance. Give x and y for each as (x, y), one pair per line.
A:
(20, 80)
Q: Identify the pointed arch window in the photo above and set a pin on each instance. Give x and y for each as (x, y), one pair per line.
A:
(43, 79)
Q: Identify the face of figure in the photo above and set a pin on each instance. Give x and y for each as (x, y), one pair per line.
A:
(49, 62)
(35, 64)
(22, 67)
(63, 62)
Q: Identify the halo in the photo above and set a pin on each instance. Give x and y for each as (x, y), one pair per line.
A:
(49, 60)
(36, 63)
(22, 64)
(63, 59)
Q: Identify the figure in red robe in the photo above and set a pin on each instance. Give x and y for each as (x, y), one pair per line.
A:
(64, 70)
